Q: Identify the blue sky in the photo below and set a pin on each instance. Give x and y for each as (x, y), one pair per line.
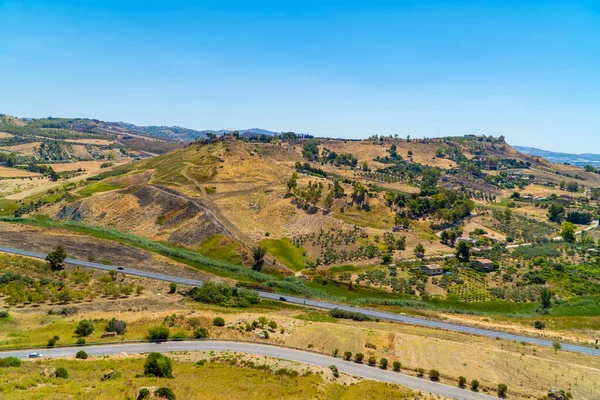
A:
(528, 70)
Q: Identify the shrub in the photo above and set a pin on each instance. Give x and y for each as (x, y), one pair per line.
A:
(556, 345)
(434, 374)
(158, 365)
(370, 346)
(474, 385)
(462, 381)
(336, 373)
(52, 341)
(158, 333)
(355, 316)
(335, 352)
(10, 362)
(180, 335)
(502, 389)
(165, 393)
(62, 373)
(172, 287)
(225, 295)
(81, 355)
(347, 355)
(396, 365)
(117, 326)
(383, 363)
(272, 324)
(80, 341)
(144, 394)
(3, 314)
(420, 372)
(85, 328)
(201, 333)
(219, 321)
(372, 361)
(266, 334)
(359, 357)
(539, 325)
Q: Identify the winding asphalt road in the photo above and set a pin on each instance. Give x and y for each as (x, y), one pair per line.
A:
(360, 370)
(328, 306)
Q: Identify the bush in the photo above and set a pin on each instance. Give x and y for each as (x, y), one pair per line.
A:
(179, 336)
(158, 333)
(347, 355)
(355, 316)
(172, 287)
(52, 341)
(201, 333)
(158, 365)
(10, 362)
(219, 321)
(81, 355)
(502, 389)
(539, 325)
(80, 341)
(272, 324)
(372, 361)
(62, 373)
(462, 381)
(225, 295)
(420, 372)
(165, 393)
(474, 385)
(434, 374)
(396, 366)
(85, 328)
(359, 357)
(3, 314)
(144, 394)
(383, 363)
(335, 352)
(117, 326)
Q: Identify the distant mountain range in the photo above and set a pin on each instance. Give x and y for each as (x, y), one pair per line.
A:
(185, 134)
(562, 158)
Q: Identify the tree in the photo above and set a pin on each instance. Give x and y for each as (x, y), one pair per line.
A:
(546, 297)
(463, 250)
(434, 374)
(556, 212)
(556, 345)
(292, 183)
(158, 365)
(386, 258)
(258, 253)
(172, 287)
(568, 232)
(117, 326)
(85, 328)
(347, 355)
(81, 355)
(474, 385)
(372, 361)
(383, 363)
(419, 250)
(359, 357)
(61, 373)
(56, 258)
(502, 389)
(396, 366)
(539, 325)
(401, 243)
(462, 381)
(219, 321)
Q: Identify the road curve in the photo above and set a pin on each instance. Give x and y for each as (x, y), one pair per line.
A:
(360, 370)
(328, 306)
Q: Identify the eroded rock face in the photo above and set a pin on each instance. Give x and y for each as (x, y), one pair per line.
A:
(49, 372)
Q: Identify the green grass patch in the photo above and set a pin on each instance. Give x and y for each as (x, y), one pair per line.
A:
(221, 248)
(8, 207)
(96, 187)
(286, 252)
(316, 316)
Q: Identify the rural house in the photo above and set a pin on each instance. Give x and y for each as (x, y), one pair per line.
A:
(432, 269)
(483, 264)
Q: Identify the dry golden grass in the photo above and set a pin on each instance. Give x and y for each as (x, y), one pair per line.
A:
(5, 135)
(92, 166)
(99, 142)
(26, 149)
(6, 172)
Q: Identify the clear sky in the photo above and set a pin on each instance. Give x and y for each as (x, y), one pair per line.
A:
(528, 70)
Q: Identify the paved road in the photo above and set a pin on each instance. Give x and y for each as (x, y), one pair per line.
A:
(348, 367)
(328, 306)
